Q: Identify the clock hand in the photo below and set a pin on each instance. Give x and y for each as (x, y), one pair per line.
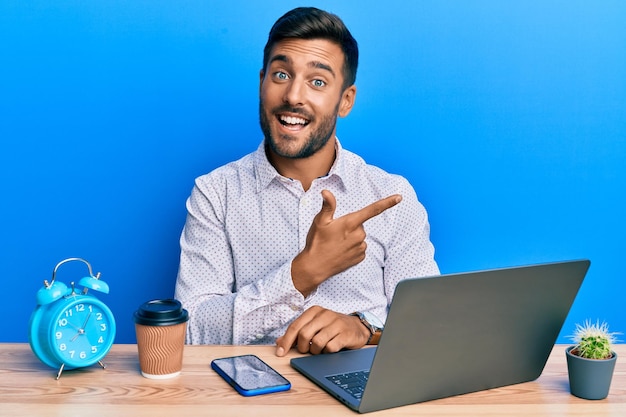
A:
(81, 330)
(73, 325)
(86, 320)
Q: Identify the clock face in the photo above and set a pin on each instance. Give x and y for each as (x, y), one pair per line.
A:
(81, 332)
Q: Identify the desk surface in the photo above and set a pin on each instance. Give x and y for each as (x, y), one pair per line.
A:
(29, 388)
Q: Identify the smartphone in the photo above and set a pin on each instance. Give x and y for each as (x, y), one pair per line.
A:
(249, 375)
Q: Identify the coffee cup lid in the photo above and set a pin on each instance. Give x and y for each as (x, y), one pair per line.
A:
(161, 313)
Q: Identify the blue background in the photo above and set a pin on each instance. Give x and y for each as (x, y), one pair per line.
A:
(509, 118)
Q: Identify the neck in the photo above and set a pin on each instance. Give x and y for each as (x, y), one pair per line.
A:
(305, 170)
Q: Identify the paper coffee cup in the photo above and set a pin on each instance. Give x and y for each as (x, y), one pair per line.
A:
(160, 327)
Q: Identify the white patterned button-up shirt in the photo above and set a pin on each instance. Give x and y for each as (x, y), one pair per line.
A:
(246, 223)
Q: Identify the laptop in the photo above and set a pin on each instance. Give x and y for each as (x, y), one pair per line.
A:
(453, 334)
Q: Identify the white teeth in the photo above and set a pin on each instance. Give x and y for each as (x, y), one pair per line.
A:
(293, 120)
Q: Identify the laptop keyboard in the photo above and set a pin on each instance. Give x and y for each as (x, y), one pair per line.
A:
(352, 382)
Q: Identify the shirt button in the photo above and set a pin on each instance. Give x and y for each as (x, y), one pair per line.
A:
(260, 336)
(295, 307)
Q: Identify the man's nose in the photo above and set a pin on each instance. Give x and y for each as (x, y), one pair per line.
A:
(294, 93)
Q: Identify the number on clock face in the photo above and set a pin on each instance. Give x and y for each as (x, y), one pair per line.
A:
(81, 332)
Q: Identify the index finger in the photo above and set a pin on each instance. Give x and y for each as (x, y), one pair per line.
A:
(288, 340)
(374, 209)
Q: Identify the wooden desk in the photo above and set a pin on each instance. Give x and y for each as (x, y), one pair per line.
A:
(29, 388)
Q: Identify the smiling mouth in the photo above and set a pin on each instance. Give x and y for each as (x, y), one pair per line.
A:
(293, 122)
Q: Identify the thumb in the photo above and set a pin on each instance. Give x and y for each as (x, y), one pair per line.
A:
(329, 204)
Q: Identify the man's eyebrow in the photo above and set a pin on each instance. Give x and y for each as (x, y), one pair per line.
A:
(312, 64)
(321, 65)
(281, 58)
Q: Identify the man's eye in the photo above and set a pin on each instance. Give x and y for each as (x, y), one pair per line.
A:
(318, 83)
(281, 75)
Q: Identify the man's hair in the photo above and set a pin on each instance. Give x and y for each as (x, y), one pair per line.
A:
(313, 23)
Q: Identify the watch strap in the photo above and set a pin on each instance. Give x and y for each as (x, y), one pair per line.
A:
(375, 332)
(375, 337)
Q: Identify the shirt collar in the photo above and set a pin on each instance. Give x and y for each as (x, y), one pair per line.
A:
(266, 173)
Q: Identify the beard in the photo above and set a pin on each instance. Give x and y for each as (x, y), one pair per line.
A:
(316, 140)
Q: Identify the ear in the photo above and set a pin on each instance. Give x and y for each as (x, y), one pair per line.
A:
(261, 78)
(347, 101)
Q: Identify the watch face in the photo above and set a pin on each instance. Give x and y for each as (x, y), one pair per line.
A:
(373, 320)
(82, 332)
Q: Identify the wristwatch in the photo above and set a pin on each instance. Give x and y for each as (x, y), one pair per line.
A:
(373, 324)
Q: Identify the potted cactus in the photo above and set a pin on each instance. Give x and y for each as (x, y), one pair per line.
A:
(591, 361)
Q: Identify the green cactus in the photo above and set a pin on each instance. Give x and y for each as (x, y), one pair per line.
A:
(593, 340)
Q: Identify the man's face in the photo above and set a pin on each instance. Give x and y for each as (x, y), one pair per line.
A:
(301, 96)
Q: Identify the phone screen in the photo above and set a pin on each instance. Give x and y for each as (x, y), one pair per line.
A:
(249, 375)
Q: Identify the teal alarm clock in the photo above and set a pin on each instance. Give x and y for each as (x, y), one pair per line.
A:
(70, 328)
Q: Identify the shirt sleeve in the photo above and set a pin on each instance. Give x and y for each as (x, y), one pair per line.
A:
(410, 253)
(221, 313)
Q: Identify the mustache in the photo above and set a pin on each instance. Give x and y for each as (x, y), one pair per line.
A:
(285, 108)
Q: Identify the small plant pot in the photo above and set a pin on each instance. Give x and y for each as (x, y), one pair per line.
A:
(589, 378)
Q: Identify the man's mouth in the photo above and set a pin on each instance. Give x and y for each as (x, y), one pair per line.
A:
(293, 122)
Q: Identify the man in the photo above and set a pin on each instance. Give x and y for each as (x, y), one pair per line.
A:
(260, 261)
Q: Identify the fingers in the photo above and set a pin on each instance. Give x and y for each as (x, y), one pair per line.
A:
(320, 330)
(280, 349)
(329, 205)
(289, 339)
(361, 216)
(333, 245)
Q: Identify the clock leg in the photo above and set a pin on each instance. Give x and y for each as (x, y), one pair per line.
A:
(102, 365)
(60, 371)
